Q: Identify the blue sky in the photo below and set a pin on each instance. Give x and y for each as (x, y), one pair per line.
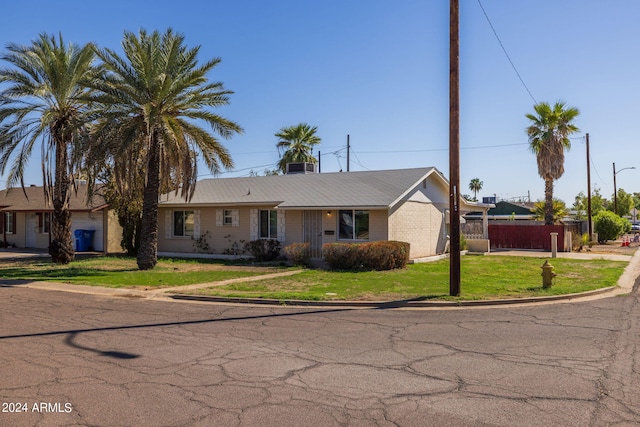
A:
(377, 70)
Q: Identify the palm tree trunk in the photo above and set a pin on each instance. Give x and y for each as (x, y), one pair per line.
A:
(61, 247)
(548, 201)
(148, 252)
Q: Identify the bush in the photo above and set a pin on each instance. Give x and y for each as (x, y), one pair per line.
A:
(463, 243)
(609, 226)
(263, 249)
(298, 253)
(382, 255)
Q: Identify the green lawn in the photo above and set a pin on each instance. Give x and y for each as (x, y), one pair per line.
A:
(118, 272)
(482, 277)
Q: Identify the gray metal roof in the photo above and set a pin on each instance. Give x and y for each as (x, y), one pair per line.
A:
(370, 189)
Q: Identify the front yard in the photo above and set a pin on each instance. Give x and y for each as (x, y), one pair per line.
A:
(119, 272)
(483, 277)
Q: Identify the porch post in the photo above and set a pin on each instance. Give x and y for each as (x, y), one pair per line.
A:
(485, 224)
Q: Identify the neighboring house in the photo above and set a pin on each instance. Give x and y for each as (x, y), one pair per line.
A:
(504, 212)
(409, 205)
(25, 221)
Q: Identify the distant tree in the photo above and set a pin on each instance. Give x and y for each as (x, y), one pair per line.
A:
(475, 185)
(598, 203)
(625, 203)
(297, 143)
(559, 210)
(636, 200)
(42, 101)
(548, 134)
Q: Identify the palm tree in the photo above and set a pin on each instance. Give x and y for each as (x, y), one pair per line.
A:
(559, 209)
(548, 139)
(297, 143)
(42, 101)
(475, 185)
(155, 94)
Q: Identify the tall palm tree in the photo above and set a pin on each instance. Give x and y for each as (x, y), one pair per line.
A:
(475, 185)
(156, 94)
(42, 101)
(297, 143)
(549, 138)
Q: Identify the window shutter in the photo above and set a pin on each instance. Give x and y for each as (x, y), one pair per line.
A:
(281, 227)
(219, 216)
(253, 220)
(235, 218)
(167, 224)
(196, 223)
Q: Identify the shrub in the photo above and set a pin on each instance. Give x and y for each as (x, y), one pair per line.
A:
(342, 256)
(382, 255)
(609, 226)
(263, 249)
(463, 243)
(298, 253)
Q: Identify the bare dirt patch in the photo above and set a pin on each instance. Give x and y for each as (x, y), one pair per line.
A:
(613, 248)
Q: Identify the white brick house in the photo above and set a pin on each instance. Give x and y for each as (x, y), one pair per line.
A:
(409, 205)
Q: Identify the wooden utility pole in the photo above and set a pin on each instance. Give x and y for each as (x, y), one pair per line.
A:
(348, 153)
(454, 151)
(589, 190)
(615, 192)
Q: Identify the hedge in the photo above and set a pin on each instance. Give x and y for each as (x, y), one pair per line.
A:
(381, 255)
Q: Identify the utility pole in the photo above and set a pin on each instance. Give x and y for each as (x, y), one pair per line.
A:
(319, 162)
(454, 150)
(589, 190)
(348, 152)
(615, 192)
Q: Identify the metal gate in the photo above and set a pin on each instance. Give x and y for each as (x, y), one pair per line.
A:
(312, 230)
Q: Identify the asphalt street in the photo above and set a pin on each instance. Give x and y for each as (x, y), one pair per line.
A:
(69, 359)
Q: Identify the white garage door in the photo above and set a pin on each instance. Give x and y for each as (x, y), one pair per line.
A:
(89, 221)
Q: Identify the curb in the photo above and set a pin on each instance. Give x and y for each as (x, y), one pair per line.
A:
(389, 304)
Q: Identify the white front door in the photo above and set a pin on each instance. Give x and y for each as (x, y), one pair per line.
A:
(30, 230)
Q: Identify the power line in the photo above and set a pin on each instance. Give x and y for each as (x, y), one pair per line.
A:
(505, 52)
(442, 149)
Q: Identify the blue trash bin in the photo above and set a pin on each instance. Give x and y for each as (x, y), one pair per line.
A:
(84, 240)
(79, 235)
(87, 235)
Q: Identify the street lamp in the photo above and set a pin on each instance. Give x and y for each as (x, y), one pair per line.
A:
(615, 191)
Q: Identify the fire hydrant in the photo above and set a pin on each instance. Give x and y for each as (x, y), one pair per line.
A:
(547, 274)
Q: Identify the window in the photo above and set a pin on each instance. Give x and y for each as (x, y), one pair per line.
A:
(228, 217)
(10, 222)
(44, 222)
(183, 223)
(268, 224)
(353, 225)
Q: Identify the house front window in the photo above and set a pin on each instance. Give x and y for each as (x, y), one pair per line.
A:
(228, 217)
(10, 222)
(44, 222)
(183, 222)
(269, 224)
(353, 225)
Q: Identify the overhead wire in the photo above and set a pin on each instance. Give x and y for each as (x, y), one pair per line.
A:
(495, 33)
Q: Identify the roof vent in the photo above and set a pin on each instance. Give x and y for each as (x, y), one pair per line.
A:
(301, 167)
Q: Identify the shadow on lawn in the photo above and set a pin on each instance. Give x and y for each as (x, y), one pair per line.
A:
(59, 273)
